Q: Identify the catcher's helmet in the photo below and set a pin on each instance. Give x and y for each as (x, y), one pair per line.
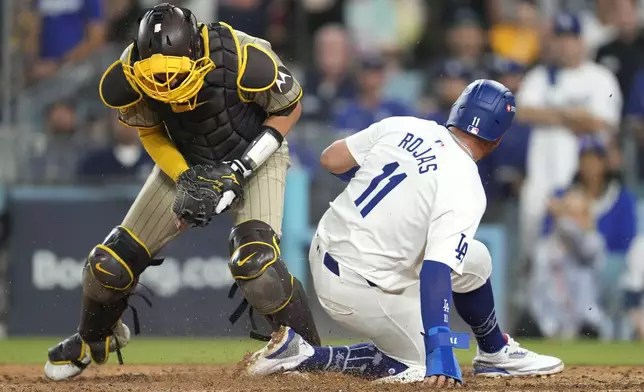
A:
(172, 54)
(484, 109)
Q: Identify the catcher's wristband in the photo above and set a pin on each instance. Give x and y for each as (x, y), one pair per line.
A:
(259, 150)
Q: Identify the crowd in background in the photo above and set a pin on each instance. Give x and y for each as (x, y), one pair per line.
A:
(361, 61)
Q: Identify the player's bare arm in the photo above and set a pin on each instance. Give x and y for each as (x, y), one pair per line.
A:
(337, 158)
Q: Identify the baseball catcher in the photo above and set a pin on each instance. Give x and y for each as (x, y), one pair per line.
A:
(212, 106)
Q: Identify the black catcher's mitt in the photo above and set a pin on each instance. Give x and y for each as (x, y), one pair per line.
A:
(197, 196)
(200, 190)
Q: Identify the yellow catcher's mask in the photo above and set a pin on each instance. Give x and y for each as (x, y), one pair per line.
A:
(172, 79)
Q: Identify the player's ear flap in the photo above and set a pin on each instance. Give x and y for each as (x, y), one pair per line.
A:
(258, 71)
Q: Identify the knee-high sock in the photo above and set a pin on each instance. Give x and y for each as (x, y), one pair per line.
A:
(362, 359)
(476, 308)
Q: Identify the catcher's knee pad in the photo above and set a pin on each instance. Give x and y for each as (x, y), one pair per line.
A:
(109, 277)
(263, 278)
(256, 265)
(477, 268)
(119, 260)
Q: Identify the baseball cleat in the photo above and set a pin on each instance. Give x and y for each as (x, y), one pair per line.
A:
(408, 376)
(70, 357)
(284, 352)
(514, 361)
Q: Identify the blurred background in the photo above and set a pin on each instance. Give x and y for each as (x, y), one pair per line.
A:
(562, 222)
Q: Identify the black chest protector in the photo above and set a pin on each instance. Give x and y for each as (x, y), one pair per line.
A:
(222, 125)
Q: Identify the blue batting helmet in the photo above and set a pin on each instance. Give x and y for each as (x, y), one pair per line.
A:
(484, 109)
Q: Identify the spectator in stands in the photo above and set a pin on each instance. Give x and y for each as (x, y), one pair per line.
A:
(249, 16)
(634, 121)
(614, 206)
(564, 287)
(599, 25)
(124, 161)
(442, 90)
(503, 171)
(368, 107)
(614, 214)
(122, 17)
(55, 157)
(624, 56)
(561, 101)
(321, 12)
(384, 26)
(330, 83)
(597, 18)
(485, 11)
(518, 36)
(65, 32)
(466, 41)
(633, 283)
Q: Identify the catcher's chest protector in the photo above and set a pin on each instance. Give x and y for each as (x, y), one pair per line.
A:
(222, 125)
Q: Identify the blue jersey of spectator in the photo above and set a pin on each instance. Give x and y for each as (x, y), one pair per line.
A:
(616, 218)
(354, 117)
(615, 208)
(64, 23)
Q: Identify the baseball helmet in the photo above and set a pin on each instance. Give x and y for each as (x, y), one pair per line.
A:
(484, 109)
(172, 61)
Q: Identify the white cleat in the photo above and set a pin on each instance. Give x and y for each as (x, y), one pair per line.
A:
(408, 376)
(70, 357)
(514, 361)
(283, 353)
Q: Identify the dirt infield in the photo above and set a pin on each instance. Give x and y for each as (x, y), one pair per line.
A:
(191, 378)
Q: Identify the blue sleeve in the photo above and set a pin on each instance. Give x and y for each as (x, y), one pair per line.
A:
(548, 222)
(634, 105)
(435, 294)
(348, 175)
(435, 303)
(627, 217)
(93, 10)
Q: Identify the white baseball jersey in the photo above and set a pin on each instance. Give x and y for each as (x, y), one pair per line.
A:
(553, 151)
(417, 196)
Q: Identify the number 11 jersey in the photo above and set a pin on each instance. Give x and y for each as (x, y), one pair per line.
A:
(416, 196)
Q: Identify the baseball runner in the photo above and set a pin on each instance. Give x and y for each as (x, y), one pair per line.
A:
(397, 245)
(212, 106)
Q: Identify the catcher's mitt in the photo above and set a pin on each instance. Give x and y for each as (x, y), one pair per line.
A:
(200, 190)
(197, 196)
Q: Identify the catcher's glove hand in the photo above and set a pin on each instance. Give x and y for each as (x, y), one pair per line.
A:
(197, 196)
(232, 179)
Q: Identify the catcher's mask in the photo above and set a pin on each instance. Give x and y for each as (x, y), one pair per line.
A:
(173, 60)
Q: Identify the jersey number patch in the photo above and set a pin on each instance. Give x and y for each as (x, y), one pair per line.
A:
(387, 172)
